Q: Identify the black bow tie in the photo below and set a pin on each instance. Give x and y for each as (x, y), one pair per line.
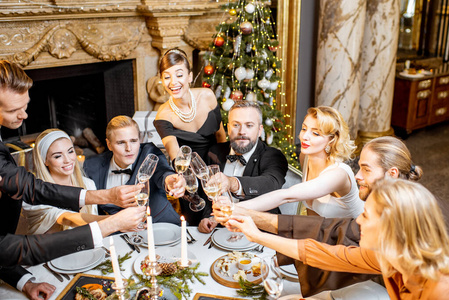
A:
(233, 158)
(124, 171)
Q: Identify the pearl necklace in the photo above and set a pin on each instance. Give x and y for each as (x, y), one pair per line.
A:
(185, 117)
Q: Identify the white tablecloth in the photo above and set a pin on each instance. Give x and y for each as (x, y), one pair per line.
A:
(205, 256)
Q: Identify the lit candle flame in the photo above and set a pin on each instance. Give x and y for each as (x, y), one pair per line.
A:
(148, 211)
(182, 218)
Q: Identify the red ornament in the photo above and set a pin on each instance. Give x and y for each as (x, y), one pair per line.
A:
(219, 41)
(208, 69)
(273, 48)
(206, 85)
(236, 95)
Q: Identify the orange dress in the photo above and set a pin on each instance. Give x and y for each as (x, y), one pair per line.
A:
(359, 260)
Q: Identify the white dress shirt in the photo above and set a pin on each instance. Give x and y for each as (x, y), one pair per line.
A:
(114, 180)
(236, 169)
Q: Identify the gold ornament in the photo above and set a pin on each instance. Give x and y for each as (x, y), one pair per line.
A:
(232, 12)
(274, 65)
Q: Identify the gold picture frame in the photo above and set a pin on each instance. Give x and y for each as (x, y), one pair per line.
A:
(288, 28)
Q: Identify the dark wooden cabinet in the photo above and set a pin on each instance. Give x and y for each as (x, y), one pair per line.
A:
(420, 102)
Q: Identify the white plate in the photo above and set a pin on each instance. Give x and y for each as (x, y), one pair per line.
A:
(78, 260)
(289, 271)
(417, 75)
(167, 254)
(80, 270)
(222, 238)
(251, 247)
(164, 234)
(291, 297)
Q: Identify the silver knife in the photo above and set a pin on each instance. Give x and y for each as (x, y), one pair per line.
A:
(209, 239)
(57, 275)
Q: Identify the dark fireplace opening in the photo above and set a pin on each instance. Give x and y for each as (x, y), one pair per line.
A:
(76, 97)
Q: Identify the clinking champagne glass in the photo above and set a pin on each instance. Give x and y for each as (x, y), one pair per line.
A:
(144, 174)
(141, 196)
(225, 203)
(196, 202)
(198, 166)
(211, 184)
(272, 276)
(182, 160)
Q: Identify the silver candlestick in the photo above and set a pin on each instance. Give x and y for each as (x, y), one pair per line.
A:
(153, 270)
(121, 291)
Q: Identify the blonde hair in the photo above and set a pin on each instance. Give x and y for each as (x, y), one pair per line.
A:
(120, 122)
(412, 229)
(392, 152)
(42, 171)
(332, 124)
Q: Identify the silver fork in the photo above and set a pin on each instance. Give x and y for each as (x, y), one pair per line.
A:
(192, 240)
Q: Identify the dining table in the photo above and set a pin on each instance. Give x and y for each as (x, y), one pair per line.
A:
(204, 255)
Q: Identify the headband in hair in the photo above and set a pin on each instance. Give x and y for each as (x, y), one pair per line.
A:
(412, 168)
(47, 140)
(175, 51)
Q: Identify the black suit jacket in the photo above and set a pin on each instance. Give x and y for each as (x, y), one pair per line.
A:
(18, 185)
(97, 168)
(264, 172)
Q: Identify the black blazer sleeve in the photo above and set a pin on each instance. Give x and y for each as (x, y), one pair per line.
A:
(264, 173)
(36, 249)
(11, 275)
(21, 185)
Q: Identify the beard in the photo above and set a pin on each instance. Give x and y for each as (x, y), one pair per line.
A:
(242, 149)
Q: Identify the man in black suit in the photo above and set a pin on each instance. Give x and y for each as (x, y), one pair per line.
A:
(249, 167)
(18, 185)
(121, 163)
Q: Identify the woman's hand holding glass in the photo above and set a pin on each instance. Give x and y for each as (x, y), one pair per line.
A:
(272, 276)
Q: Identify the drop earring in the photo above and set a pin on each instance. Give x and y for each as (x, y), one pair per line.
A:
(327, 149)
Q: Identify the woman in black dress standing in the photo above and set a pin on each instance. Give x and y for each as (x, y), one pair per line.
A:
(190, 117)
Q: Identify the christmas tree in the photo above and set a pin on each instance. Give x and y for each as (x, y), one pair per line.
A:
(242, 65)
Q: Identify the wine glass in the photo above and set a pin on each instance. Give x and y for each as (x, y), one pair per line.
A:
(144, 174)
(272, 276)
(198, 166)
(196, 202)
(182, 160)
(147, 168)
(211, 184)
(141, 196)
(225, 203)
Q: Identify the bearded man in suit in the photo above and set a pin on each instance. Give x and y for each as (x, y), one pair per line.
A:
(249, 167)
(120, 166)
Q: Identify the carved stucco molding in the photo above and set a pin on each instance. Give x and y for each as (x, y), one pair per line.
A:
(167, 32)
(61, 40)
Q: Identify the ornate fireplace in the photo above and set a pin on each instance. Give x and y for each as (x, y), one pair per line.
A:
(108, 49)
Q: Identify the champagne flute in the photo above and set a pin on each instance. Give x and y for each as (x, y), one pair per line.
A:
(144, 174)
(225, 203)
(272, 276)
(182, 160)
(198, 166)
(211, 184)
(196, 202)
(141, 197)
(147, 168)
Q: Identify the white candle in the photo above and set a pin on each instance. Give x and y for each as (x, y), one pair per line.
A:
(184, 260)
(150, 237)
(115, 265)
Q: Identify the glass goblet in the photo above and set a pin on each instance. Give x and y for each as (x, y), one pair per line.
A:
(196, 202)
(272, 276)
(141, 196)
(182, 160)
(198, 166)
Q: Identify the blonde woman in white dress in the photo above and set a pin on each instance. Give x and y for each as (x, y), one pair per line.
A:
(55, 161)
(328, 188)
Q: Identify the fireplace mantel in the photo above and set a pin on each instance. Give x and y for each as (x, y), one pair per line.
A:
(44, 34)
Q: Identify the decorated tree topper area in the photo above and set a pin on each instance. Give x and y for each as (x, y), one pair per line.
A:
(242, 65)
